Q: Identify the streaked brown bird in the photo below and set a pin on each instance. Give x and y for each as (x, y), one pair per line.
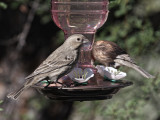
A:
(110, 54)
(59, 63)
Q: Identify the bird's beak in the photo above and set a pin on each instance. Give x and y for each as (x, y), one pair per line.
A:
(85, 40)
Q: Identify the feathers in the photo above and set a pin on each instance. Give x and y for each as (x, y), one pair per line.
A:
(135, 67)
(110, 54)
(59, 63)
(14, 95)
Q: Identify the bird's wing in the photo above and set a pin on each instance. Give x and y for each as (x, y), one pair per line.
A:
(115, 48)
(111, 50)
(119, 53)
(126, 57)
(53, 64)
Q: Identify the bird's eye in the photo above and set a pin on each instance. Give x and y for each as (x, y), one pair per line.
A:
(78, 39)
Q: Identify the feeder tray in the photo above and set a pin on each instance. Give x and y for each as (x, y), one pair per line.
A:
(84, 93)
(96, 88)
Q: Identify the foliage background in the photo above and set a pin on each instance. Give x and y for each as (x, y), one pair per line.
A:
(132, 24)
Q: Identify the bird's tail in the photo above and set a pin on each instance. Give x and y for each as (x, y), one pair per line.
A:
(16, 94)
(136, 67)
(143, 72)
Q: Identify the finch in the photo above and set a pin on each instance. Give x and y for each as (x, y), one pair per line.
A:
(110, 54)
(59, 63)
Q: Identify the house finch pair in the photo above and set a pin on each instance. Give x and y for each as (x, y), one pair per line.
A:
(59, 63)
(110, 54)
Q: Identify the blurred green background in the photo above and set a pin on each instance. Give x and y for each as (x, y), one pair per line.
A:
(28, 35)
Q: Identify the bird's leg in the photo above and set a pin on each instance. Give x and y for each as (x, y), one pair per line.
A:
(63, 85)
(50, 80)
(53, 80)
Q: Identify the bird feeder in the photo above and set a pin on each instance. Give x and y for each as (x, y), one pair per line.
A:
(85, 82)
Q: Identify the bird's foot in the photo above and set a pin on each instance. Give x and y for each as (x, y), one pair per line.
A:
(62, 85)
(48, 83)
